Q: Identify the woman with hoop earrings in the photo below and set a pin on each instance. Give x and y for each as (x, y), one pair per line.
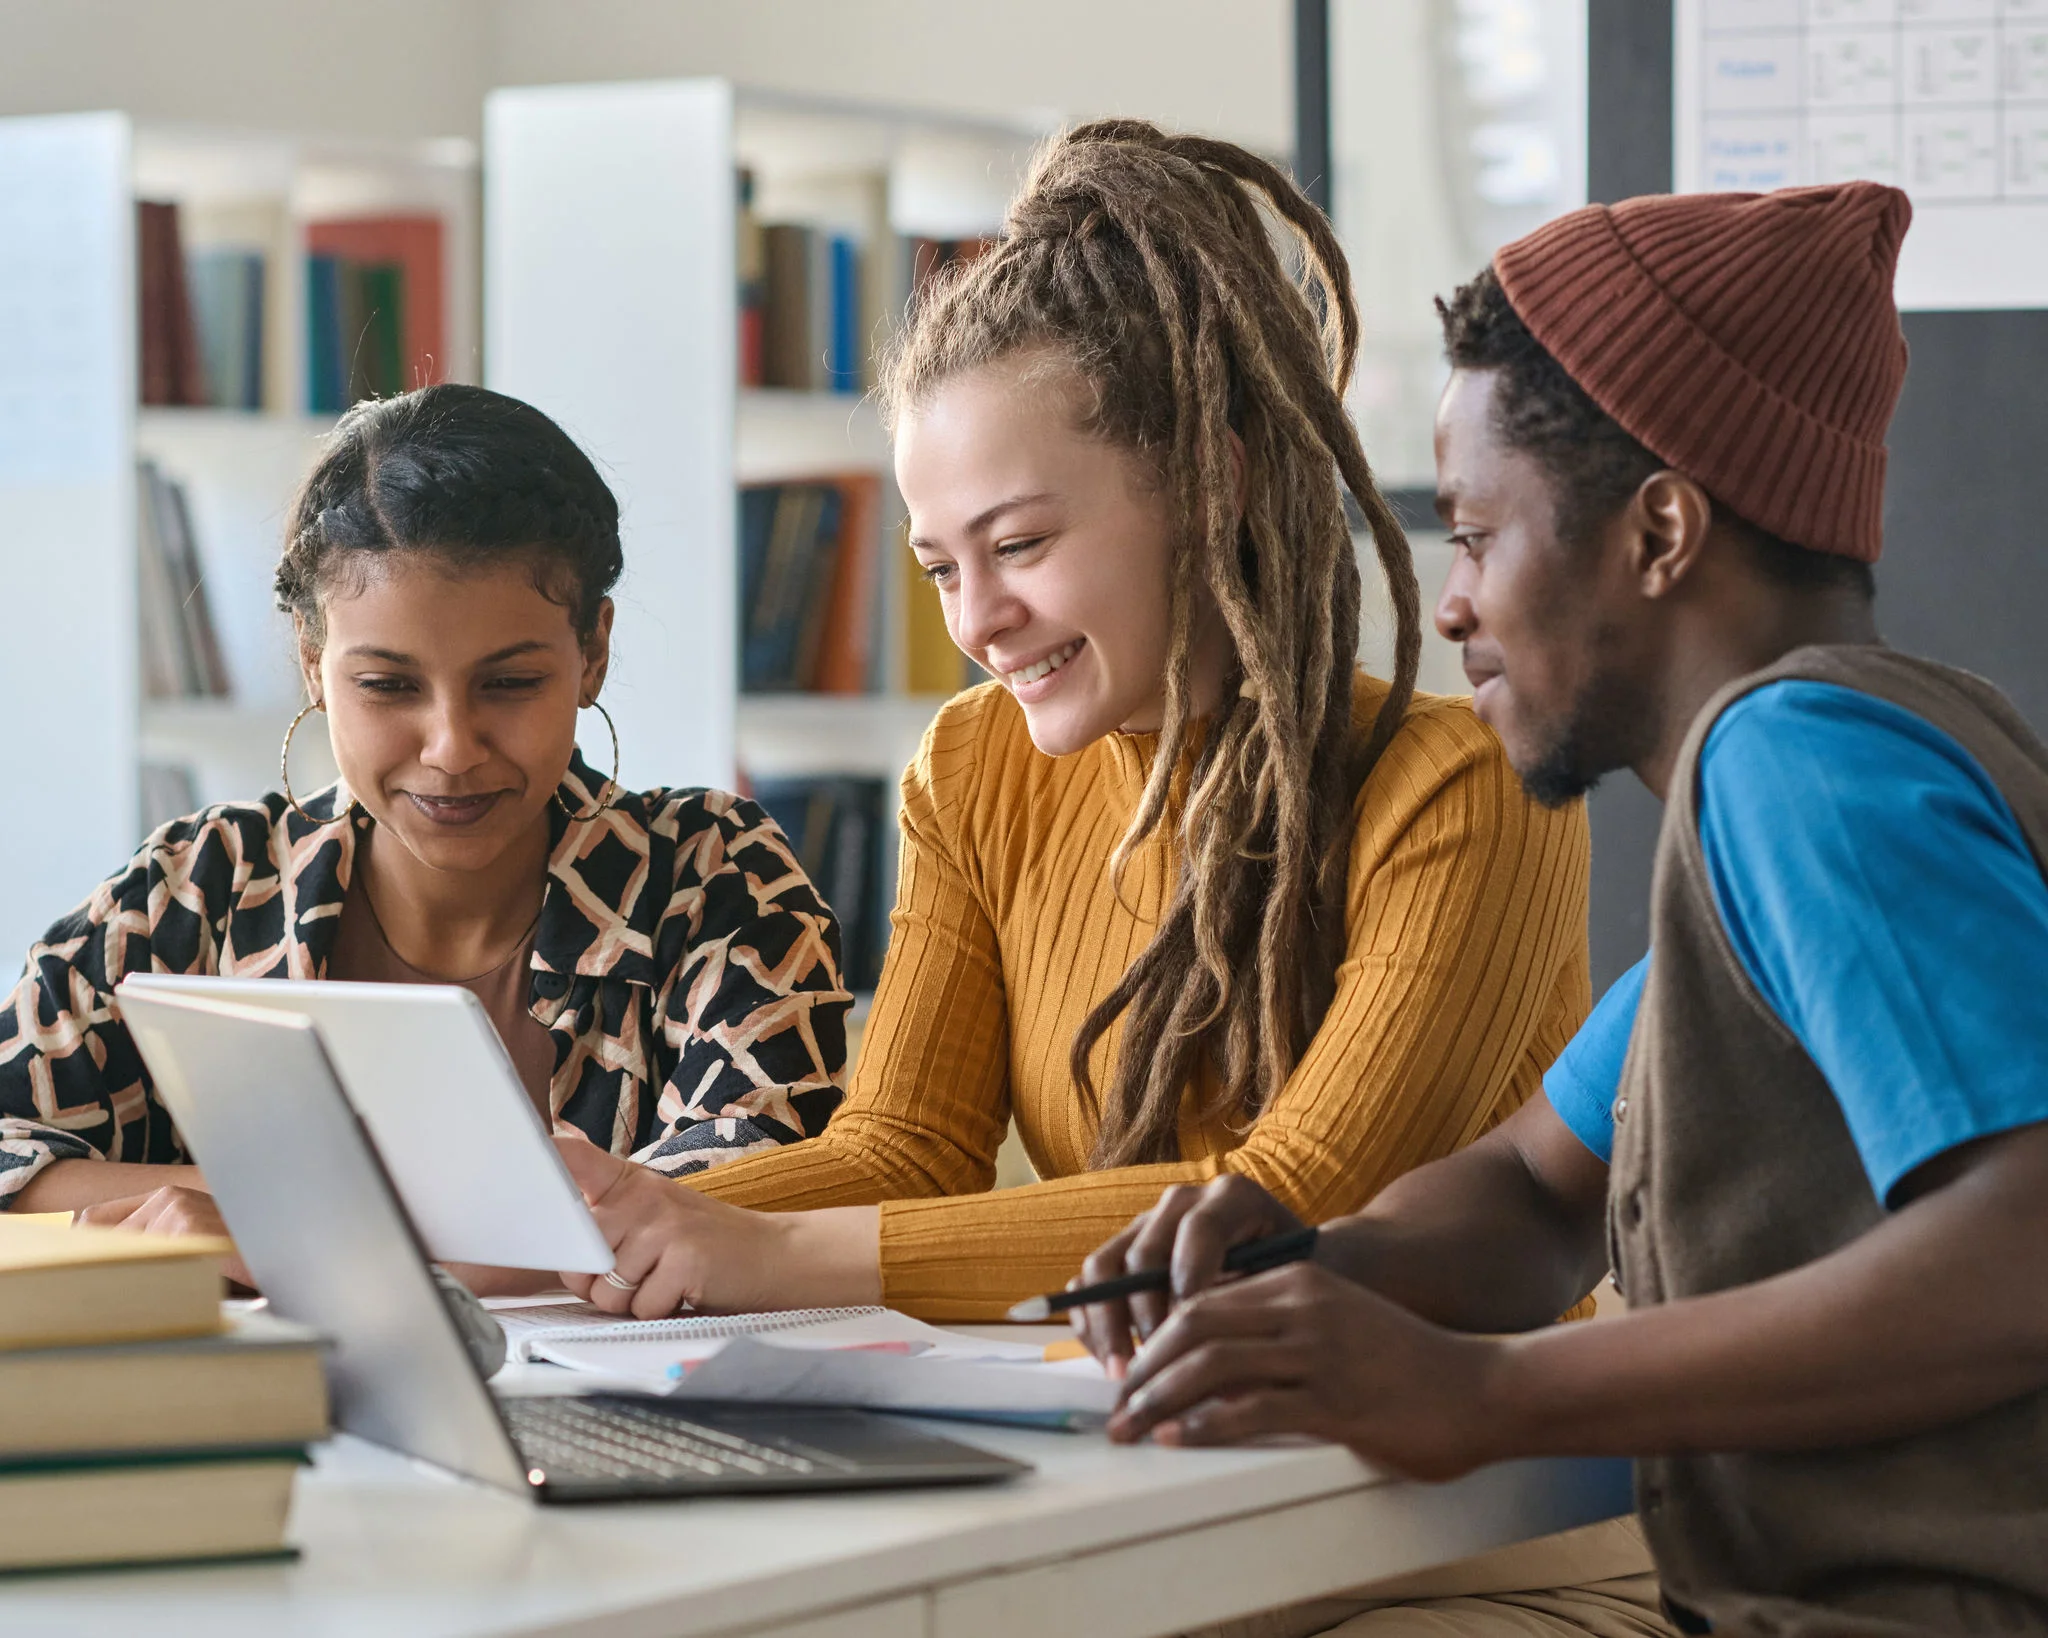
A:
(662, 974)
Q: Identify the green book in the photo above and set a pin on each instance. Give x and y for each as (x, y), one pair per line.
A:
(166, 1509)
(373, 335)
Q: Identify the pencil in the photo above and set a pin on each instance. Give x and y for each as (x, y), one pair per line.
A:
(1253, 1257)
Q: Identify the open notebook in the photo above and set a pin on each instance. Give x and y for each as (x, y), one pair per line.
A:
(532, 1329)
(870, 1357)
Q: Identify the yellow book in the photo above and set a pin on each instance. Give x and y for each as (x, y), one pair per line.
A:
(61, 1285)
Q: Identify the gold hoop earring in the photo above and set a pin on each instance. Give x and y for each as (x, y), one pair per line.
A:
(611, 785)
(284, 763)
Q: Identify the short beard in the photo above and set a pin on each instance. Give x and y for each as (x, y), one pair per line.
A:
(1605, 729)
(1557, 778)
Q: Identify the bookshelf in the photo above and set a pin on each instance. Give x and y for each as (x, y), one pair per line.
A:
(614, 257)
(72, 431)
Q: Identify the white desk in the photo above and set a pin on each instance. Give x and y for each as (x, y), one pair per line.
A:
(1100, 1542)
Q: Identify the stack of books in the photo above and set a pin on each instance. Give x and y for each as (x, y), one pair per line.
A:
(137, 1425)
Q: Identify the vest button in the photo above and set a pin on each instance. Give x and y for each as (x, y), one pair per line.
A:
(1635, 1207)
(1620, 1110)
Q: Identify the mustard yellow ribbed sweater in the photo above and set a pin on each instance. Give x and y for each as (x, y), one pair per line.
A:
(1465, 973)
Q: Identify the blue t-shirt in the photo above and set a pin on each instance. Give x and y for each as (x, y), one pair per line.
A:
(1884, 902)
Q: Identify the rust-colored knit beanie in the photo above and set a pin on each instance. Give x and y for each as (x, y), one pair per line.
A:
(1748, 339)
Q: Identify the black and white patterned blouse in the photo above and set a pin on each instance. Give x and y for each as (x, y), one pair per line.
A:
(683, 963)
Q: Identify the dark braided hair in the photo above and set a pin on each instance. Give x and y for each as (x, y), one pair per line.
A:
(1593, 463)
(466, 476)
(1142, 263)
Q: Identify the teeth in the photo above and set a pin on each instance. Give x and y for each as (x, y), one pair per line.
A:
(1044, 667)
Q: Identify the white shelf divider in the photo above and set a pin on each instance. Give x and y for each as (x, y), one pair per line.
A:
(67, 512)
(608, 271)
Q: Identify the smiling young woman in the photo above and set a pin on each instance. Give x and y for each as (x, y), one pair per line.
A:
(1184, 892)
(446, 569)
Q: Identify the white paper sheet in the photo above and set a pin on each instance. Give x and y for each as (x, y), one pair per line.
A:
(1073, 1393)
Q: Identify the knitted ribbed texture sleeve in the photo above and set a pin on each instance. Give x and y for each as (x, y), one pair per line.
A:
(1464, 975)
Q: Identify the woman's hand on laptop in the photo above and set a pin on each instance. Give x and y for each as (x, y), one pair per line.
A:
(173, 1209)
(675, 1246)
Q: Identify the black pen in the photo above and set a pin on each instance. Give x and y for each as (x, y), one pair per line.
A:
(1252, 1257)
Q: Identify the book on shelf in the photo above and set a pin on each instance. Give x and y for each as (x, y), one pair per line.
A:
(808, 583)
(810, 306)
(226, 288)
(800, 304)
(170, 369)
(837, 826)
(180, 647)
(375, 318)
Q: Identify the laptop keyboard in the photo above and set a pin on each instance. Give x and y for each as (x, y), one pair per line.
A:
(619, 1439)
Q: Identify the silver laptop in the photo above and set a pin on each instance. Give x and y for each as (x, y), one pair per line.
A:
(321, 1227)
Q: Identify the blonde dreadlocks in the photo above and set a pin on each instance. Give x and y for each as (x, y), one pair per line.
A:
(1142, 261)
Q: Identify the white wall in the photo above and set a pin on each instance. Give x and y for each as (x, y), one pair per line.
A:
(418, 68)
(400, 68)
(1223, 66)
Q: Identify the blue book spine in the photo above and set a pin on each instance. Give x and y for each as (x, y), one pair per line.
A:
(757, 523)
(324, 370)
(844, 367)
(252, 331)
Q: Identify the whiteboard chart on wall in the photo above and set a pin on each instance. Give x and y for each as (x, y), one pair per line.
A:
(1947, 99)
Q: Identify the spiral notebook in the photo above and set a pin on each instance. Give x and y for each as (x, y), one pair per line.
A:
(872, 1357)
(530, 1327)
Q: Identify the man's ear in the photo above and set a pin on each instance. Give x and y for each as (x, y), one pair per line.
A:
(1668, 519)
(597, 653)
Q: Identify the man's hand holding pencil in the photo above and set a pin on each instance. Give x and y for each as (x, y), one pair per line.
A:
(1243, 1335)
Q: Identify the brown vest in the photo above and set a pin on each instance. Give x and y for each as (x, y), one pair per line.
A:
(1732, 1162)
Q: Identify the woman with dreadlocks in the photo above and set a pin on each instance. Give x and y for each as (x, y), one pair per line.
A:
(1184, 891)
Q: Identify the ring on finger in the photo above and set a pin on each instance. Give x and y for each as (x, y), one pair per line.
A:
(611, 1278)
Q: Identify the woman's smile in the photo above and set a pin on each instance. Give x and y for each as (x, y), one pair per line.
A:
(454, 811)
(1034, 681)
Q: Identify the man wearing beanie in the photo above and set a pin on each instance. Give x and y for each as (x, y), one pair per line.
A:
(1810, 1131)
